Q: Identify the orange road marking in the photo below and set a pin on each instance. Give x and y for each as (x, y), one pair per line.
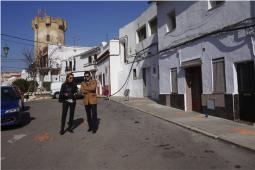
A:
(179, 113)
(198, 117)
(244, 131)
(42, 138)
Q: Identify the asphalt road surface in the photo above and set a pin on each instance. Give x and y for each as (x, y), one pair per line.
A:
(126, 139)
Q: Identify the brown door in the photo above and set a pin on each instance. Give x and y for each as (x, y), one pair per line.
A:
(194, 85)
(246, 89)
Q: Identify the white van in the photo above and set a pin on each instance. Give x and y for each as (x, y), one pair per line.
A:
(55, 89)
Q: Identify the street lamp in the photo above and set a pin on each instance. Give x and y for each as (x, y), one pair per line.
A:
(5, 53)
(5, 50)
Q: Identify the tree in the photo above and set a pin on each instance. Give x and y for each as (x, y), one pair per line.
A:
(31, 65)
(31, 69)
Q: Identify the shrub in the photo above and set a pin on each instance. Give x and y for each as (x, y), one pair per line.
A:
(22, 84)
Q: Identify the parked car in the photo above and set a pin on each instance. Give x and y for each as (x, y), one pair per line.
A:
(10, 106)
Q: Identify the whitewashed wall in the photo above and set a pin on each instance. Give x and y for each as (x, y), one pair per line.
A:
(133, 46)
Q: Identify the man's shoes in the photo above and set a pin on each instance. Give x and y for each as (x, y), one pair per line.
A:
(61, 132)
(94, 131)
(70, 130)
(89, 130)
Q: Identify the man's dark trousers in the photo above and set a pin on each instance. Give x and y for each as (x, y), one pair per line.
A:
(66, 105)
(91, 111)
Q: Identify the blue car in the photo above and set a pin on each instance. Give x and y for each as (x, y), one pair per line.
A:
(10, 107)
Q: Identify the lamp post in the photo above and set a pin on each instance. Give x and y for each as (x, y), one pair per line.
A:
(5, 50)
(5, 54)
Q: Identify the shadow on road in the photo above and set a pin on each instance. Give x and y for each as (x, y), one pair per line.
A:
(98, 122)
(25, 119)
(77, 122)
(26, 108)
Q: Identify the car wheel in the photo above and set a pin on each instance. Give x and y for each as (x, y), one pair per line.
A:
(56, 95)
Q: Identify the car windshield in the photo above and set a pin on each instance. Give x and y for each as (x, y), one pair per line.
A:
(7, 93)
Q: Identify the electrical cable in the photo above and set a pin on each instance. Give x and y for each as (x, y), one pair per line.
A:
(28, 40)
(225, 29)
(11, 61)
(195, 26)
(126, 79)
(24, 39)
(20, 43)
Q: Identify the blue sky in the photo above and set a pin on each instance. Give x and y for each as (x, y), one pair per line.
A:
(91, 21)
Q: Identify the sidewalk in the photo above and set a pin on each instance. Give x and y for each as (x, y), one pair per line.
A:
(37, 97)
(218, 128)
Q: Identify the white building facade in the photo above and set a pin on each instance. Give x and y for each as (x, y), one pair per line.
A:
(108, 66)
(61, 60)
(78, 64)
(206, 57)
(138, 63)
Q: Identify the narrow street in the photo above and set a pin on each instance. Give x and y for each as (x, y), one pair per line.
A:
(126, 139)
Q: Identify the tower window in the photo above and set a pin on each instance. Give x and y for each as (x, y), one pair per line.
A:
(61, 27)
(48, 37)
(47, 24)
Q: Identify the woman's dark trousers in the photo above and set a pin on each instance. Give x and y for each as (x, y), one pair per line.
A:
(67, 105)
(91, 111)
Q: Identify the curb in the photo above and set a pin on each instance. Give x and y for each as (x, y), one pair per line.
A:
(39, 98)
(190, 128)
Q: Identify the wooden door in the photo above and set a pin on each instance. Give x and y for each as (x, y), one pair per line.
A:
(246, 89)
(194, 83)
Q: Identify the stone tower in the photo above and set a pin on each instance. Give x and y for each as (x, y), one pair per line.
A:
(47, 30)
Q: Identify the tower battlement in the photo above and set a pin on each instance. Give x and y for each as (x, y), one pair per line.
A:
(47, 30)
(49, 21)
